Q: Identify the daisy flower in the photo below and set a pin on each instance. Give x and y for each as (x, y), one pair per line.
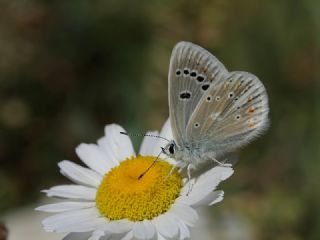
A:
(108, 200)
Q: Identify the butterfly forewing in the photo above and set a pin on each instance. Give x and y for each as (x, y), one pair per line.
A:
(193, 70)
(230, 113)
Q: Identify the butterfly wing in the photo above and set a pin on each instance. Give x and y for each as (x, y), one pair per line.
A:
(229, 114)
(191, 69)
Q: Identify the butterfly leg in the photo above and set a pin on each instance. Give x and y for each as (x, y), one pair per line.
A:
(171, 171)
(190, 166)
(220, 163)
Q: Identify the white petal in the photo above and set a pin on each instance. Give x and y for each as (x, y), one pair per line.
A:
(205, 184)
(105, 145)
(166, 225)
(215, 175)
(119, 226)
(185, 213)
(160, 237)
(77, 236)
(183, 230)
(94, 157)
(72, 191)
(65, 206)
(148, 144)
(165, 132)
(120, 144)
(83, 220)
(186, 187)
(143, 230)
(212, 198)
(96, 235)
(80, 175)
(128, 236)
(219, 197)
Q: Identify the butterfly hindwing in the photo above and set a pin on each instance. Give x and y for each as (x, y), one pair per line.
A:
(230, 113)
(193, 70)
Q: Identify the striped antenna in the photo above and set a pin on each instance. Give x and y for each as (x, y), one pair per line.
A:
(143, 135)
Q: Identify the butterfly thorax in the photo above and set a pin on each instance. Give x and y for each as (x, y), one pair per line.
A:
(185, 155)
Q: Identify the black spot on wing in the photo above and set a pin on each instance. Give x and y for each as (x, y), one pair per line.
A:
(205, 87)
(193, 74)
(185, 95)
(186, 71)
(200, 78)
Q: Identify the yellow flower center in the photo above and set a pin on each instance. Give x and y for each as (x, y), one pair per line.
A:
(122, 194)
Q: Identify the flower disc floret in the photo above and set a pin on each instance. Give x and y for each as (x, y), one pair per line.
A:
(123, 195)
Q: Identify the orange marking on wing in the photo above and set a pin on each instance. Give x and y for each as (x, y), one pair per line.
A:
(251, 110)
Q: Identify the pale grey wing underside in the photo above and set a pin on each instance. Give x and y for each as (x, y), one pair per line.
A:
(193, 70)
(229, 114)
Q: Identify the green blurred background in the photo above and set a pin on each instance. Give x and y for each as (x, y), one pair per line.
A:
(67, 68)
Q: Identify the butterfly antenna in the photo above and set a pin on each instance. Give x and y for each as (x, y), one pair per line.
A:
(143, 135)
(151, 165)
(156, 159)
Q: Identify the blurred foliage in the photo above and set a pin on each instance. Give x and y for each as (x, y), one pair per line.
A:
(67, 68)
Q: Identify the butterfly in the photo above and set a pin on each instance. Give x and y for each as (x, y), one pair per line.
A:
(212, 111)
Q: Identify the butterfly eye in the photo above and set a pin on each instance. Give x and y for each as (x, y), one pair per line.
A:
(171, 149)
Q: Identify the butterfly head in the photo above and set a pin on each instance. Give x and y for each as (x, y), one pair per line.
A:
(170, 149)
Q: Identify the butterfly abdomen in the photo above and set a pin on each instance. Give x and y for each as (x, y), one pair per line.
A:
(191, 155)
